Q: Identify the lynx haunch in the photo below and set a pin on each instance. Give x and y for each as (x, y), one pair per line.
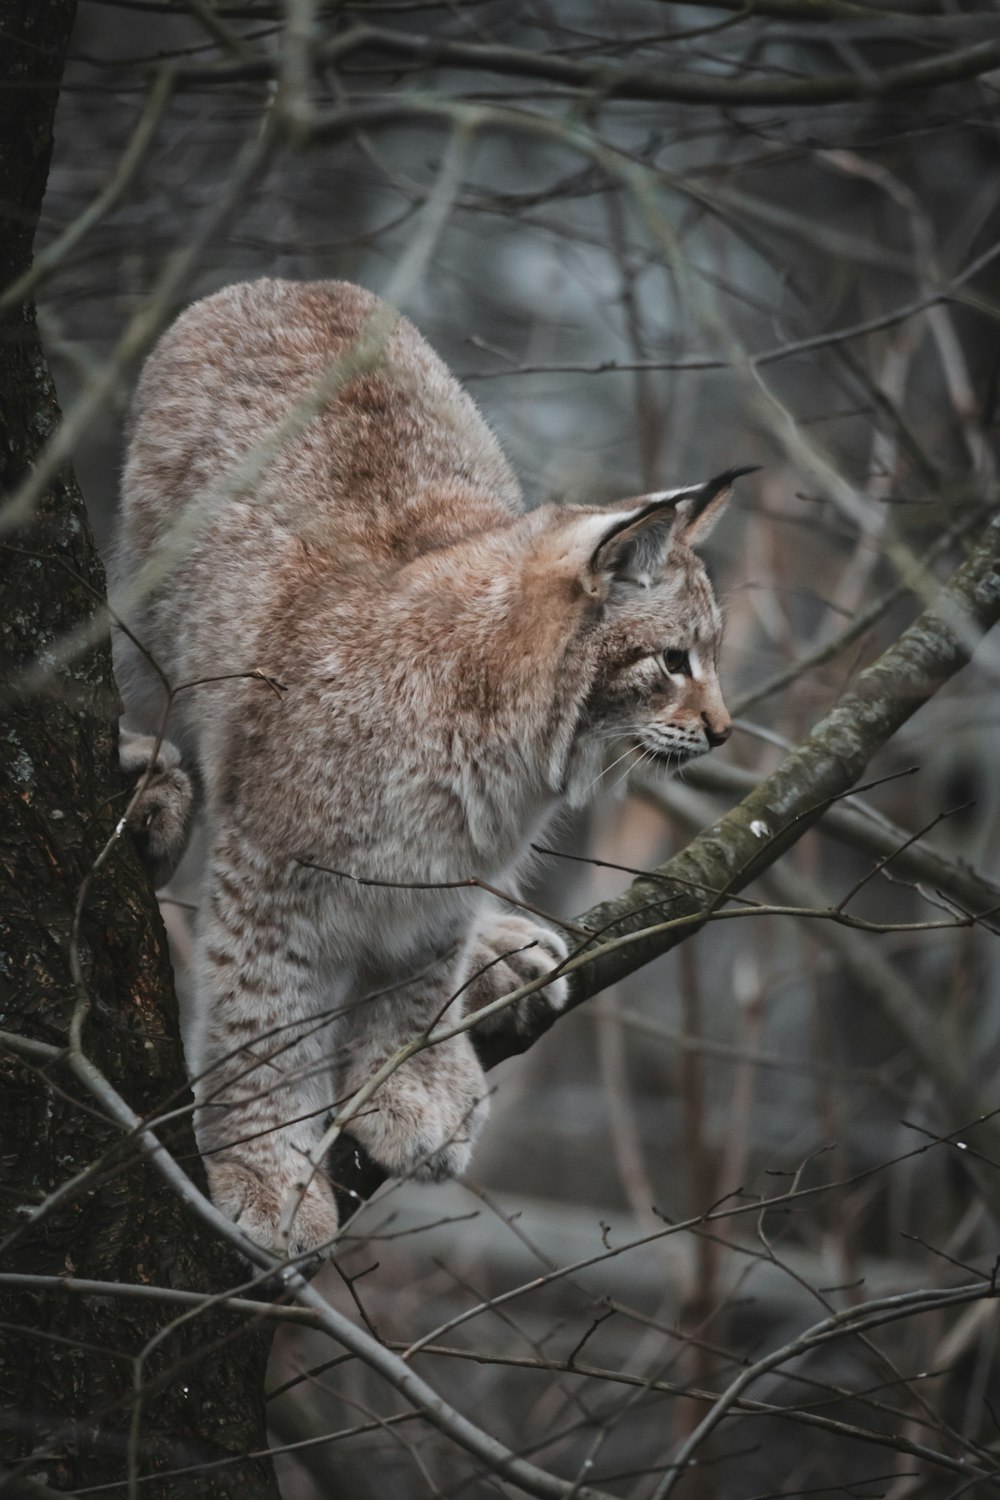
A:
(310, 495)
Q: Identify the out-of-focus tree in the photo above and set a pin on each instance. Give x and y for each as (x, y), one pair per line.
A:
(655, 239)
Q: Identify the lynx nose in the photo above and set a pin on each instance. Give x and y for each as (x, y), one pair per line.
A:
(716, 734)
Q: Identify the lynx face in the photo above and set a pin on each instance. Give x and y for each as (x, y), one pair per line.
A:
(665, 703)
(654, 698)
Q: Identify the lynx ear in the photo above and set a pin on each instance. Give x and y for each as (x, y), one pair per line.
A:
(699, 509)
(634, 547)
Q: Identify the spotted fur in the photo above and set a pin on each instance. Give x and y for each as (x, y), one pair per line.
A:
(311, 497)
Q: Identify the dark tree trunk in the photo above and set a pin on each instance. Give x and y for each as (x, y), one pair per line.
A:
(67, 1363)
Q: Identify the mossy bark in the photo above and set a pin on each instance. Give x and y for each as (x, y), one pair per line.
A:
(67, 1364)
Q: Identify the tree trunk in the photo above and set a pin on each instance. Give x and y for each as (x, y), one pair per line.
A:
(68, 1372)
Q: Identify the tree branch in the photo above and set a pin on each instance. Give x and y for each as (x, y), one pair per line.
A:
(601, 81)
(872, 833)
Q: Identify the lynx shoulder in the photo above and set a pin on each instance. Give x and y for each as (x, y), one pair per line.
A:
(383, 666)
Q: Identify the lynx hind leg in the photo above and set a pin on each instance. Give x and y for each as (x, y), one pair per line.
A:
(424, 1117)
(508, 951)
(161, 819)
(260, 1052)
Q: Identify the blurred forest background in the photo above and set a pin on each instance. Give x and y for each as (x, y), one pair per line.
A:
(640, 292)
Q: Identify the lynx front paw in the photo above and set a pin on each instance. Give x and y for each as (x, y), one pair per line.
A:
(423, 1119)
(162, 815)
(510, 951)
(277, 1215)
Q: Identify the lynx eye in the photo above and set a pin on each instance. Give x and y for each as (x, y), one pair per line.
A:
(677, 663)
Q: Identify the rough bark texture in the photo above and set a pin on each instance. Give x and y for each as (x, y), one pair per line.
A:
(66, 1382)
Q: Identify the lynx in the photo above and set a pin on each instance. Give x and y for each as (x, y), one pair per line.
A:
(391, 670)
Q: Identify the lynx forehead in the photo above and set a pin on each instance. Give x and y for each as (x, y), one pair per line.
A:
(310, 495)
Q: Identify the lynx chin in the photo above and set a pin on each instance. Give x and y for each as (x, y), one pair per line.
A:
(310, 495)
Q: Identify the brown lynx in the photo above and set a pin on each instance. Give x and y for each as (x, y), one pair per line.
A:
(451, 670)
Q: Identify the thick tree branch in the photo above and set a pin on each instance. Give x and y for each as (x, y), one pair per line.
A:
(875, 835)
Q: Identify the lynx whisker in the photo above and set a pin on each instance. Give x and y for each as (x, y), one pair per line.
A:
(644, 755)
(629, 750)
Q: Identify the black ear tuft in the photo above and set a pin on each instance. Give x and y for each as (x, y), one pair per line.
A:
(698, 510)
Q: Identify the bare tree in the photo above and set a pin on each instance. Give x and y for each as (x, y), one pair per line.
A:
(776, 223)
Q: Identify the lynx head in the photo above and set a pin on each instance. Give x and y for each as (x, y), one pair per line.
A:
(646, 638)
